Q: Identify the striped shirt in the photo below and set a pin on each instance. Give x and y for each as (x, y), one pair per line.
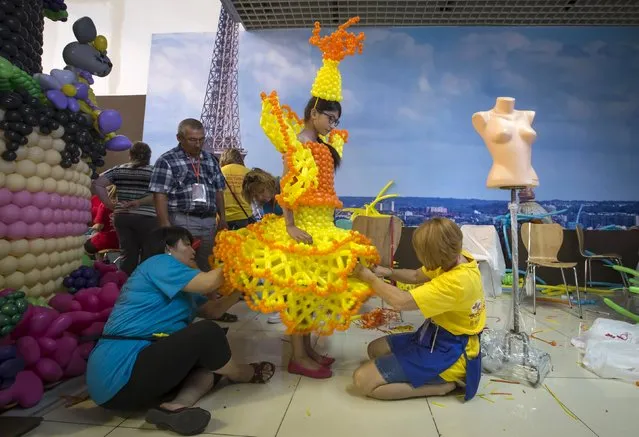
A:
(132, 184)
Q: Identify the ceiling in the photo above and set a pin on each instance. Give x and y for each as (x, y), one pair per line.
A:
(263, 14)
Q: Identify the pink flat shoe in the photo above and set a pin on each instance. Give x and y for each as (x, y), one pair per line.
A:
(297, 369)
(326, 361)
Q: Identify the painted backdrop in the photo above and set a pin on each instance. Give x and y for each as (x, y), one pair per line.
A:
(408, 102)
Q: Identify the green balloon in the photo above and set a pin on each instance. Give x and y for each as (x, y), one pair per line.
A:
(4, 320)
(8, 309)
(15, 319)
(22, 305)
(17, 295)
(6, 330)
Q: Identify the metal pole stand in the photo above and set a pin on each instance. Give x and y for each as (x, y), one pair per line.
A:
(518, 352)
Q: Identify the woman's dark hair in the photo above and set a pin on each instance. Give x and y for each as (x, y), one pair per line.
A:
(160, 238)
(140, 154)
(321, 105)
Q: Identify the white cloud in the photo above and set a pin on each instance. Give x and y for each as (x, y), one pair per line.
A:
(455, 85)
(402, 44)
(578, 108)
(501, 44)
(352, 105)
(424, 84)
(409, 113)
(272, 70)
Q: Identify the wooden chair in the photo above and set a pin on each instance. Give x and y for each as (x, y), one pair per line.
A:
(543, 242)
(589, 257)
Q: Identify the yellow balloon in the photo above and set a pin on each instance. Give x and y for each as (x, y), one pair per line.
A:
(100, 43)
(69, 90)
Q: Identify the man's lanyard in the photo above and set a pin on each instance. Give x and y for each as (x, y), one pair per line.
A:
(196, 170)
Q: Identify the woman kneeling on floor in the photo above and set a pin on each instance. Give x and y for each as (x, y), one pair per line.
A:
(150, 350)
(445, 350)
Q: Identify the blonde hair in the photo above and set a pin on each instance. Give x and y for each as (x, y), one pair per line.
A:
(437, 243)
(255, 181)
(231, 156)
(112, 191)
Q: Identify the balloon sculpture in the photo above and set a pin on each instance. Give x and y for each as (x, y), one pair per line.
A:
(45, 345)
(310, 285)
(50, 147)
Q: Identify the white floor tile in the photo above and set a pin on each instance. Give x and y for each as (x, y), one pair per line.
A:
(323, 408)
(87, 413)
(57, 429)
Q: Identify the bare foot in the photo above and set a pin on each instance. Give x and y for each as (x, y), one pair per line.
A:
(171, 406)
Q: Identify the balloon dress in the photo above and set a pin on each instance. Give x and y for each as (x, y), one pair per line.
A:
(309, 285)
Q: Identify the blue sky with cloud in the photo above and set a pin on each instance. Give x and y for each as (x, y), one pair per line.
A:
(408, 102)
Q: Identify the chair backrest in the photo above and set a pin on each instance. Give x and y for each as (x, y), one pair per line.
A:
(542, 241)
(581, 239)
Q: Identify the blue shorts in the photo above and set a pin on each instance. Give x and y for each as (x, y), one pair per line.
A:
(389, 366)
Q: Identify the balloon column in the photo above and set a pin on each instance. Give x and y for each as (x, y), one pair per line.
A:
(46, 345)
(52, 139)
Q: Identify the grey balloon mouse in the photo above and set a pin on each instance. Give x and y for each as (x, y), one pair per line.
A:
(82, 55)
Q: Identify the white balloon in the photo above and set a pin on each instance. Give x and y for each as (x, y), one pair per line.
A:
(42, 260)
(63, 187)
(45, 142)
(15, 182)
(34, 184)
(19, 248)
(43, 170)
(27, 263)
(3, 145)
(8, 265)
(52, 157)
(2, 180)
(5, 248)
(49, 185)
(7, 167)
(57, 272)
(54, 259)
(31, 278)
(35, 154)
(14, 280)
(33, 139)
(46, 274)
(49, 288)
(36, 290)
(57, 172)
(21, 154)
(50, 245)
(58, 132)
(58, 144)
(37, 246)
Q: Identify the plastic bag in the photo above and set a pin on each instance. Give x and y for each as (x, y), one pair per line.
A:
(611, 349)
(512, 356)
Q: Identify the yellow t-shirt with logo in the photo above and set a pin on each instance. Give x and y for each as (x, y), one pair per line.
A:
(234, 174)
(454, 300)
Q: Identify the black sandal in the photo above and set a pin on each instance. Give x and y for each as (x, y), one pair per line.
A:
(184, 421)
(262, 372)
(227, 318)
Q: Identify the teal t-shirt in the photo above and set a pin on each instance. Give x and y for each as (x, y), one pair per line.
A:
(151, 302)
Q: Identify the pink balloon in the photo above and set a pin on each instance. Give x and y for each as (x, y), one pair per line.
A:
(96, 328)
(29, 350)
(30, 214)
(77, 365)
(22, 198)
(48, 370)
(47, 346)
(66, 215)
(5, 197)
(61, 229)
(89, 301)
(61, 302)
(58, 326)
(54, 200)
(3, 230)
(109, 295)
(41, 199)
(26, 391)
(17, 231)
(58, 216)
(103, 315)
(85, 349)
(68, 228)
(75, 215)
(66, 346)
(82, 320)
(75, 306)
(46, 215)
(9, 214)
(73, 202)
(35, 230)
(64, 202)
(40, 322)
(49, 230)
(22, 328)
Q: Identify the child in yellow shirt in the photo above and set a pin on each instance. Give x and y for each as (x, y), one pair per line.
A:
(445, 351)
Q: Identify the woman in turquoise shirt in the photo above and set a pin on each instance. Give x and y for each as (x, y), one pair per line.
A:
(150, 348)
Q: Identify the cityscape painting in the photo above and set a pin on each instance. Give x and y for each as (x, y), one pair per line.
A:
(408, 102)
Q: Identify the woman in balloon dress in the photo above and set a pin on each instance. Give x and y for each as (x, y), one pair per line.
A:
(300, 264)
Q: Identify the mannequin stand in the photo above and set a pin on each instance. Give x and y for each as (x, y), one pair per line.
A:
(517, 351)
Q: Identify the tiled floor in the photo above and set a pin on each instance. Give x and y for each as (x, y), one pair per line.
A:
(290, 406)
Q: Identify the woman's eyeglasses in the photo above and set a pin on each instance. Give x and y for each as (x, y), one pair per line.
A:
(331, 119)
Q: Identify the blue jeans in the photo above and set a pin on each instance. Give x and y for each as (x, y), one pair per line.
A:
(389, 366)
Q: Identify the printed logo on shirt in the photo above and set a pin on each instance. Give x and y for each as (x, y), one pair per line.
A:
(476, 311)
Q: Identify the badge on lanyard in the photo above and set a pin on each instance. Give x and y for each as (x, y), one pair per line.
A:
(198, 190)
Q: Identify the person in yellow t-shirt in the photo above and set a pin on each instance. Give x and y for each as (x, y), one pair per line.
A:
(238, 211)
(445, 350)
